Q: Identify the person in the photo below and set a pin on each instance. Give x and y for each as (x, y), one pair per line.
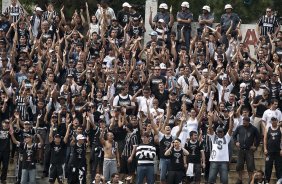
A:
(111, 154)
(128, 163)
(29, 149)
(115, 179)
(184, 19)
(178, 162)
(77, 162)
(205, 19)
(162, 14)
(247, 146)
(268, 24)
(14, 11)
(258, 178)
(5, 149)
(273, 111)
(57, 161)
(36, 21)
(145, 154)
(196, 158)
(229, 19)
(124, 15)
(219, 156)
(273, 149)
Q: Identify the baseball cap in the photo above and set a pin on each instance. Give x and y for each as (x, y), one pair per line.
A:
(80, 137)
(161, 20)
(105, 98)
(126, 4)
(27, 123)
(38, 9)
(162, 66)
(153, 33)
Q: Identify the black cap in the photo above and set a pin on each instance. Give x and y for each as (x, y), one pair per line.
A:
(27, 135)
(177, 139)
(57, 136)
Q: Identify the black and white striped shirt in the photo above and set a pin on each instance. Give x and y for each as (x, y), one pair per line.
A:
(22, 107)
(145, 153)
(267, 24)
(130, 141)
(15, 12)
(46, 15)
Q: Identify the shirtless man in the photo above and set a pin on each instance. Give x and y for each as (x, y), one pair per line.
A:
(111, 154)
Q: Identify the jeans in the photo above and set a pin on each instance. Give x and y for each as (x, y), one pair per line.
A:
(222, 169)
(187, 37)
(164, 164)
(4, 159)
(28, 175)
(145, 171)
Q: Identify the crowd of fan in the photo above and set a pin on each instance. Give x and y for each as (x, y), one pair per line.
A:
(171, 110)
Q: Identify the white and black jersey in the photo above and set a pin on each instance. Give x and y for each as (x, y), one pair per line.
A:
(47, 14)
(267, 24)
(22, 107)
(219, 151)
(130, 141)
(15, 12)
(194, 149)
(145, 153)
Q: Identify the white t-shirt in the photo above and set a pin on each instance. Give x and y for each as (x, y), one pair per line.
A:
(142, 103)
(184, 86)
(268, 114)
(227, 93)
(219, 151)
(108, 60)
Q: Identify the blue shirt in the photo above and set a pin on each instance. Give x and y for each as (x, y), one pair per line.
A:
(184, 15)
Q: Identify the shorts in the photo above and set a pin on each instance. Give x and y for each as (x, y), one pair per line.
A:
(125, 167)
(56, 172)
(248, 157)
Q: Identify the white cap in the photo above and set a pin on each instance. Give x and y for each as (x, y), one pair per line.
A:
(153, 33)
(105, 98)
(228, 6)
(126, 4)
(162, 66)
(163, 5)
(161, 20)
(206, 8)
(185, 4)
(205, 70)
(38, 9)
(243, 85)
(80, 137)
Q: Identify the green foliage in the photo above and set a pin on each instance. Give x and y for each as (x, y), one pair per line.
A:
(249, 10)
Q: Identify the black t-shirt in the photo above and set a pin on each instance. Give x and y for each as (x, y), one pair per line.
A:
(123, 17)
(29, 155)
(4, 140)
(58, 153)
(78, 156)
(176, 160)
(194, 149)
(94, 137)
(162, 98)
(175, 107)
(261, 107)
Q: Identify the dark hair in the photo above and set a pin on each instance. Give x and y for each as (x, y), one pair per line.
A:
(273, 100)
(192, 133)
